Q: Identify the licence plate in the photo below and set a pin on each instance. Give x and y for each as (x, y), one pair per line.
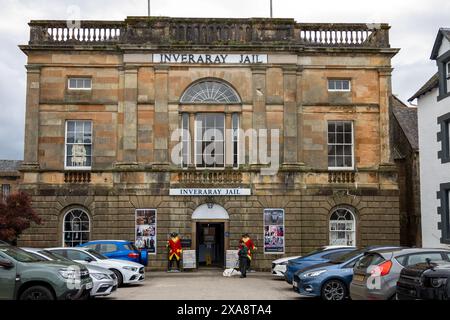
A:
(359, 278)
(88, 285)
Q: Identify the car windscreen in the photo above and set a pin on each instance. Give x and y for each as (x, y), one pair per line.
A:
(96, 254)
(370, 259)
(316, 251)
(53, 255)
(347, 256)
(21, 255)
(130, 246)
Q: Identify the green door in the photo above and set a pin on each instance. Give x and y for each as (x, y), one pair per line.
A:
(7, 280)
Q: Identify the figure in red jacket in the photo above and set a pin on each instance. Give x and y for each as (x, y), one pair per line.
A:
(251, 247)
(174, 246)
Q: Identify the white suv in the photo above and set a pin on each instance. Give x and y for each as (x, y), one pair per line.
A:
(127, 272)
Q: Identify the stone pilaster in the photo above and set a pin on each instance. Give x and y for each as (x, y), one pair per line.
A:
(290, 127)
(385, 94)
(31, 158)
(299, 98)
(161, 127)
(259, 103)
(130, 115)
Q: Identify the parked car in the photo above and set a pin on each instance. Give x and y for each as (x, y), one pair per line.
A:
(321, 255)
(375, 276)
(25, 277)
(104, 280)
(119, 249)
(330, 280)
(425, 281)
(127, 272)
(279, 266)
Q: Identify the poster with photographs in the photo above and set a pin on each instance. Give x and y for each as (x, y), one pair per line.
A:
(274, 231)
(146, 230)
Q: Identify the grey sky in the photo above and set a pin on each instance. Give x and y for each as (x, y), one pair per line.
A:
(414, 27)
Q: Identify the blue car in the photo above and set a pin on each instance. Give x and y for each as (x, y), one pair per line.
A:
(321, 255)
(330, 280)
(118, 249)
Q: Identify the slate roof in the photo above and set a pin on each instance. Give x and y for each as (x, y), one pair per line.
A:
(407, 119)
(8, 167)
(427, 87)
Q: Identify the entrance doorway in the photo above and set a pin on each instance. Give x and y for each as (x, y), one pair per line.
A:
(210, 244)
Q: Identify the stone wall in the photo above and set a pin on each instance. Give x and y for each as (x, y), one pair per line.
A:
(112, 213)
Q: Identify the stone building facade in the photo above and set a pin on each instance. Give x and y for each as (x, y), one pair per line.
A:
(104, 97)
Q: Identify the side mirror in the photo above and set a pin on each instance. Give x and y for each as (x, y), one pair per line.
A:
(6, 264)
(88, 260)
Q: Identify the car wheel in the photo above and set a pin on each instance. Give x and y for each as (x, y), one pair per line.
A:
(119, 277)
(37, 293)
(334, 290)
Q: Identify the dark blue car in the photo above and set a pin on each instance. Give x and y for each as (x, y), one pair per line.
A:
(332, 279)
(321, 255)
(118, 249)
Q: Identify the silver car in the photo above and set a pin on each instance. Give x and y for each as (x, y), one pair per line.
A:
(375, 276)
(104, 280)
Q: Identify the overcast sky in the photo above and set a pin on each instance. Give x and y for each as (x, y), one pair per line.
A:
(414, 27)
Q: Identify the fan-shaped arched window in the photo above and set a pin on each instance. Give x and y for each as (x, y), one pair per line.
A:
(342, 228)
(77, 227)
(210, 91)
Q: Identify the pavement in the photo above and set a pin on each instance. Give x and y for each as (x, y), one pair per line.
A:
(206, 285)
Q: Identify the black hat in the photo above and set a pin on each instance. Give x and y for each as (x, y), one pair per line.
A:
(173, 234)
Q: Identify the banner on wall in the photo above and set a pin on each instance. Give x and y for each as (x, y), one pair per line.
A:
(274, 238)
(146, 230)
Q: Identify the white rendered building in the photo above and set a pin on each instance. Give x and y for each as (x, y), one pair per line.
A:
(434, 144)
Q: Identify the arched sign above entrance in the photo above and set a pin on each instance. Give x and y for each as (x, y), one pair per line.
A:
(216, 212)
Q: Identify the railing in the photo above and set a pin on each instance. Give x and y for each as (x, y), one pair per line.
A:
(341, 177)
(337, 35)
(77, 177)
(84, 32)
(170, 31)
(219, 178)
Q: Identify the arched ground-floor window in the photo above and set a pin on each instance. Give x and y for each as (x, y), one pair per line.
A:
(76, 228)
(342, 227)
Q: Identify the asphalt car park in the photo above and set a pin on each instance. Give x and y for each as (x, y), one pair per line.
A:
(206, 285)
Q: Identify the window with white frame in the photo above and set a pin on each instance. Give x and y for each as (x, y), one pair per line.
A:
(76, 83)
(340, 145)
(6, 191)
(78, 144)
(448, 76)
(447, 139)
(210, 140)
(210, 91)
(339, 85)
(235, 128)
(76, 228)
(186, 152)
(342, 228)
(444, 138)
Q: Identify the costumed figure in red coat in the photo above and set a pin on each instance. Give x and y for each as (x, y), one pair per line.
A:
(175, 250)
(251, 248)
